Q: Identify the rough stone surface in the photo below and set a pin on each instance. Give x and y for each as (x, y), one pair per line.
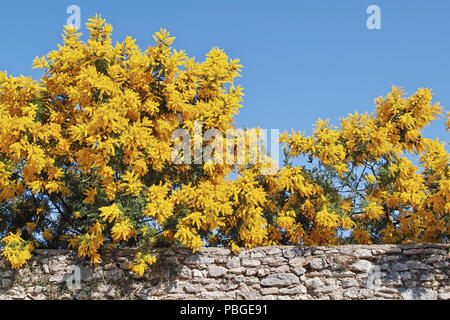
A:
(419, 272)
(280, 280)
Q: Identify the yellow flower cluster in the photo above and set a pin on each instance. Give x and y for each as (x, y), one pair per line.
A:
(142, 263)
(16, 250)
(392, 200)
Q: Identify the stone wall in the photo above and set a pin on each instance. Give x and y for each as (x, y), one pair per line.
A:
(283, 272)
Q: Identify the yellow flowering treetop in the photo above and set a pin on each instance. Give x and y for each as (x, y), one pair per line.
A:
(85, 161)
(378, 176)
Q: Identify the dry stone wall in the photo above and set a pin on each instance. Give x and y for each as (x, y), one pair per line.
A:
(281, 272)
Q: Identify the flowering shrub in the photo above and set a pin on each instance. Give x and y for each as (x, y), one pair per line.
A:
(85, 161)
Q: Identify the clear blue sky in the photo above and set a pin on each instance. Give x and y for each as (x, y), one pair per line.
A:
(302, 59)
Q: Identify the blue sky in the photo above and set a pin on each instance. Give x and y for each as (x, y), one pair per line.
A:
(302, 59)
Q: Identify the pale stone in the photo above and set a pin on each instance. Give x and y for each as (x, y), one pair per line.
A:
(282, 269)
(198, 259)
(216, 271)
(352, 293)
(317, 264)
(257, 254)
(349, 282)
(444, 296)
(56, 279)
(197, 273)
(297, 262)
(269, 290)
(292, 252)
(295, 290)
(251, 272)
(314, 283)
(233, 262)
(239, 270)
(336, 295)
(250, 263)
(346, 250)
(361, 266)
(263, 272)
(272, 261)
(299, 271)
(363, 253)
(279, 280)
(273, 251)
(46, 269)
(185, 273)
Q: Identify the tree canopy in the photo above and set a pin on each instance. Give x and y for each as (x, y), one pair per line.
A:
(86, 161)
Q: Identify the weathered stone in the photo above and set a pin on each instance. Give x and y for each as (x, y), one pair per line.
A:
(197, 273)
(216, 271)
(257, 254)
(297, 262)
(298, 271)
(56, 279)
(292, 252)
(346, 250)
(198, 259)
(416, 265)
(441, 264)
(314, 283)
(444, 296)
(336, 295)
(269, 290)
(352, 293)
(234, 262)
(250, 263)
(361, 266)
(412, 252)
(387, 290)
(263, 272)
(378, 252)
(251, 272)
(282, 269)
(239, 270)
(279, 280)
(114, 275)
(295, 290)
(427, 277)
(273, 251)
(272, 261)
(46, 268)
(362, 253)
(349, 282)
(6, 283)
(317, 264)
(185, 273)
(399, 267)
(110, 266)
(418, 294)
